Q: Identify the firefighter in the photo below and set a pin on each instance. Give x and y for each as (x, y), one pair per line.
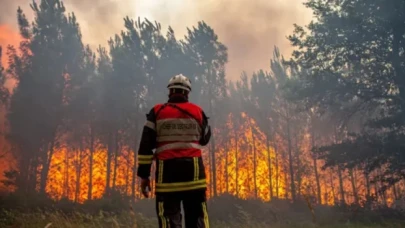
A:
(177, 130)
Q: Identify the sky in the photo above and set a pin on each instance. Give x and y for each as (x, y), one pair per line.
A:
(249, 28)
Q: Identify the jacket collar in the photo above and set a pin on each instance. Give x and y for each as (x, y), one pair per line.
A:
(177, 99)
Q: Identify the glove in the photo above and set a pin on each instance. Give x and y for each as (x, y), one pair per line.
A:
(145, 187)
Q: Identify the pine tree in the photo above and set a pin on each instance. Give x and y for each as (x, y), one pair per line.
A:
(4, 93)
(356, 71)
(210, 57)
(42, 71)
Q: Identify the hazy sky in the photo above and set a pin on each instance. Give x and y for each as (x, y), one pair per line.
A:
(249, 28)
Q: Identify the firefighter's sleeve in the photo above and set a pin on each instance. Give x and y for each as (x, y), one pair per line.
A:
(148, 143)
(206, 131)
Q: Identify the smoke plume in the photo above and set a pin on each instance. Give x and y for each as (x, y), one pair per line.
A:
(250, 29)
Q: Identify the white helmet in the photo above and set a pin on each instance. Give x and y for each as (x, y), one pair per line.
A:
(180, 82)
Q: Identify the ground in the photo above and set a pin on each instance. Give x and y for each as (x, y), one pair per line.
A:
(224, 211)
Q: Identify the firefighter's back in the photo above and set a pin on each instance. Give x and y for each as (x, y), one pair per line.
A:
(179, 163)
(177, 130)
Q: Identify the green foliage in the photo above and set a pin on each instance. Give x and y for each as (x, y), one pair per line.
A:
(351, 66)
(4, 93)
(49, 60)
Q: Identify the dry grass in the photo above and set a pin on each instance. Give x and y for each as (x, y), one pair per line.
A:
(225, 211)
(79, 220)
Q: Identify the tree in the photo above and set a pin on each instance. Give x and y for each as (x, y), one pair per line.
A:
(4, 94)
(263, 89)
(41, 71)
(352, 59)
(83, 89)
(210, 57)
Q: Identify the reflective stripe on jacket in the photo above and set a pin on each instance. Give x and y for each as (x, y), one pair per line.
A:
(178, 130)
(179, 163)
(175, 134)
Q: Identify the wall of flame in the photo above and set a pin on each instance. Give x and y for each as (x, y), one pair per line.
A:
(69, 173)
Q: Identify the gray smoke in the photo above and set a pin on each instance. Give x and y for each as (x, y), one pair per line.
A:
(249, 29)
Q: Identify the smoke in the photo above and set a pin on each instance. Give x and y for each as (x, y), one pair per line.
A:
(250, 29)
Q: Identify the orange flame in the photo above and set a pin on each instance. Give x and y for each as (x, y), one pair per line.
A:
(8, 36)
(69, 173)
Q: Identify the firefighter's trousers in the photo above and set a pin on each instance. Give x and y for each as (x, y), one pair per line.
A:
(168, 209)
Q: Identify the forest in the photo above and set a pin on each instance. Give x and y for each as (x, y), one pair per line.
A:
(322, 129)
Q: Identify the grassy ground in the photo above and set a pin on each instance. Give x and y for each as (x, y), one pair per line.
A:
(226, 211)
(78, 220)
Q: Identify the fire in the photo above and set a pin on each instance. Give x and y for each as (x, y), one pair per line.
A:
(238, 163)
(69, 173)
(242, 169)
(8, 36)
(7, 162)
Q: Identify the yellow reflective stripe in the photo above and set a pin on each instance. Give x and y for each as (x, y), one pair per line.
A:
(145, 159)
(145, 162)
(178, 145)
(206, 220)
(196, 169)
(150, 125)
(161, 214)
(177, 189)
(160, 173)
(180, 186)
(181, 138)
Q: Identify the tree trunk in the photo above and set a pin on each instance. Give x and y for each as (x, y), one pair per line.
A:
(341, 187)
(332, 187)
(116, 153)
(250, 150)
(127, 176)
(277, 169)
(254, 161)
(236, 162)
(376, 190)
(46, 164)
(394, 190)
(134, 169)
(290, 160)
(339, 169)
(24, 180)
(269, 166)
(91, 157)
(315, 162)
(368, 190)
(109, 158)
(213, 164)
(353, 183)
(226, 167)
(66, 175)
(32, 177)
(298, 170)
(383, 192)
(78, 174)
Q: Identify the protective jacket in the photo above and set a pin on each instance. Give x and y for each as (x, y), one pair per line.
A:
(177, 130)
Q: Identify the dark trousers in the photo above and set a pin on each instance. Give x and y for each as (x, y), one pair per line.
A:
(168, 209)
